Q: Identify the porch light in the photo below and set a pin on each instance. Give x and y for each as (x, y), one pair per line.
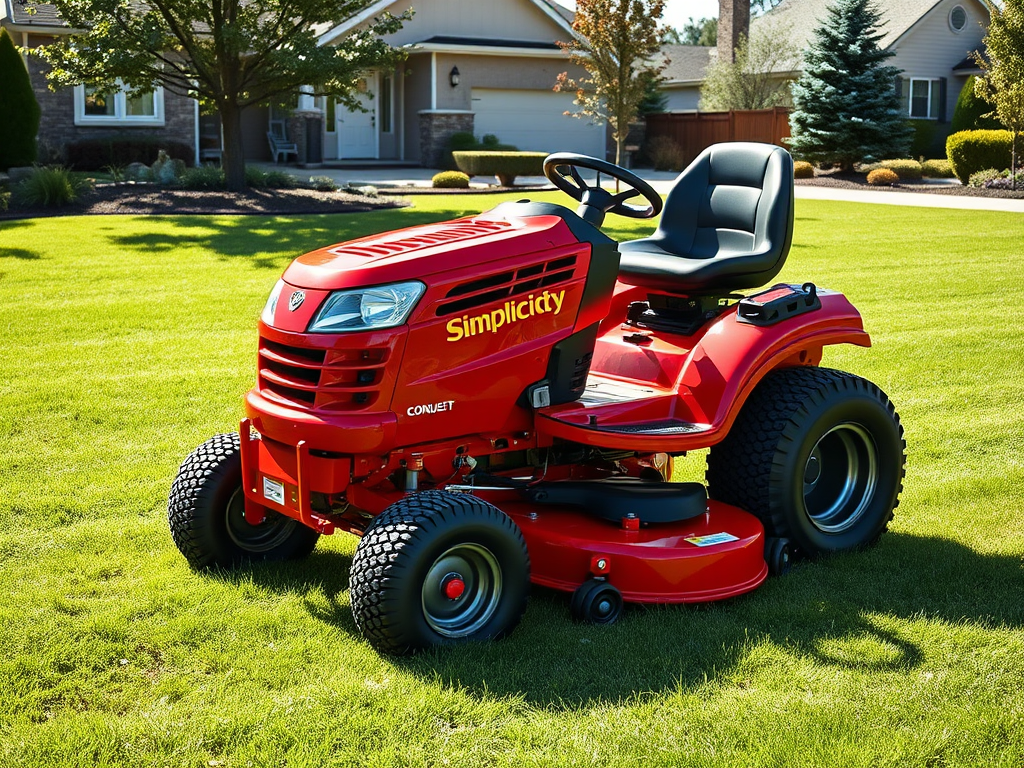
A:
(453, 76)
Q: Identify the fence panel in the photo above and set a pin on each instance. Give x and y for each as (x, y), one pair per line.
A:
(695, 131)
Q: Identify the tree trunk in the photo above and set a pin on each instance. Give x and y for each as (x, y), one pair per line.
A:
(233, 160)
(1013, 162)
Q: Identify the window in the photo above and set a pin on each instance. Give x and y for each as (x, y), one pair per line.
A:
(385, 104)
(93, 107)
(922, 97)
(958, 18)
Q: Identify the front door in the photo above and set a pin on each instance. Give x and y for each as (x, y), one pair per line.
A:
(357, 131)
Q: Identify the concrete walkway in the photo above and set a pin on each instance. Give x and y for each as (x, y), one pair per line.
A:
(662, 181)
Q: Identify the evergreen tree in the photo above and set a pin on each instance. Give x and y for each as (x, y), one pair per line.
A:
(19, 110)
(972, 113)
(846, 107)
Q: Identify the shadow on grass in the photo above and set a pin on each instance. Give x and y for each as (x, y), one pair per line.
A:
(836, 612)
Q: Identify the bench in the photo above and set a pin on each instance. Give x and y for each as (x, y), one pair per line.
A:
(279, 146)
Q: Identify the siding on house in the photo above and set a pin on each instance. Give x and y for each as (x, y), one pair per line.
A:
(931, 48)
(496, 72)
(681, 98)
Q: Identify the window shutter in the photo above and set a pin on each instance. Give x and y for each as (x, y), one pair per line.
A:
(942, 100)
(903, 93)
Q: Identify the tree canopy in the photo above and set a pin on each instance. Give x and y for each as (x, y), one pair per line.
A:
(756, 80)
(19, 110)
(230, 54)
(847, 109)
(1003, 81)
(617, 42)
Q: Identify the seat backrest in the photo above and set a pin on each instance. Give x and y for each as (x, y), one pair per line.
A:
(733, 199)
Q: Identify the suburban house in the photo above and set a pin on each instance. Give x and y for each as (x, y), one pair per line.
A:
(486, 66)
(74, 114)
(930, 40)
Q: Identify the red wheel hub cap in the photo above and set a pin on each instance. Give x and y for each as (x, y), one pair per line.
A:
(453, 588)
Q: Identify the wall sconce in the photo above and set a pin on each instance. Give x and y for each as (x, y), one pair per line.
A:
(454, 77)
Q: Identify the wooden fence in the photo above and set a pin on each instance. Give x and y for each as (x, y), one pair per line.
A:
(695, 131)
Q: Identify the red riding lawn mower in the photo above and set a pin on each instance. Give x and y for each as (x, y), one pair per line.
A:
(497, 400)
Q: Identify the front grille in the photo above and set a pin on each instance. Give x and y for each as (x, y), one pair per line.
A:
(425, 237)
(330, 380)
(580, 371)
(503, 285)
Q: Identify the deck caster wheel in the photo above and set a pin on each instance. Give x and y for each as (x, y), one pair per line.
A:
(438, 568)
(779, 555)
(596, 601)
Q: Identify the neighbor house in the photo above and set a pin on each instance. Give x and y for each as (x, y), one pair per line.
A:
(73, 114)
(930, 41)
(483, 66)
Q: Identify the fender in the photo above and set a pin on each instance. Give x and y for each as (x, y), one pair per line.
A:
(731, 358)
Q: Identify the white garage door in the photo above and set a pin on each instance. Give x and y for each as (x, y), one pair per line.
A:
(534, 121)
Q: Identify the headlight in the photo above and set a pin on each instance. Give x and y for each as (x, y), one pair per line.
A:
(367, 308)
(268, 311)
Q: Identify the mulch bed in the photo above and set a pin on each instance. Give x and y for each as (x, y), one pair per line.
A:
(148, 201)
(857, 181)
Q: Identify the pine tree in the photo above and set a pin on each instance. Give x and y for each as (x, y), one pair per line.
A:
(846, 108)
(19, 110)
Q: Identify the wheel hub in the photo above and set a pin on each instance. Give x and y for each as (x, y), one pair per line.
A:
(840, 478)
(271, 532)
(461, 590)
(453, 586)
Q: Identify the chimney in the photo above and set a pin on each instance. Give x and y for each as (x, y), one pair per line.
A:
(733, 21)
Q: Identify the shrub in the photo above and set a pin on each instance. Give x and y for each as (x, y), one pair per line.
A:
(279, 180)
(323, 183)
(973, 151)
(907, 170)
(465, 141)
(50, 187)
(450, 180)
(967, 115)
(461, 141)
(937, 169)
(981, 178)
(928, 139)
(255, 178)
(94, 154)
(166, 170)
(202, 178)
(19, 110)
(1003, 181)
(492, 143)
(505, 165)
(882, 177)
(5, 200)
(665, 154)
(803, 170)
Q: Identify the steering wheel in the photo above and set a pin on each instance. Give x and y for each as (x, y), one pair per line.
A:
(595, 202)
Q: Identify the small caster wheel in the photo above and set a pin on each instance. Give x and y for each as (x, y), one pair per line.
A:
(596, 602)
(779, 555)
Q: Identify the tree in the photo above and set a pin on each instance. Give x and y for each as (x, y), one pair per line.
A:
(694, 32)
(755, 80)
(971, 112)
(654, 99)
(230, 54)
(19, 110)
(617, 42)
(846, 107)
(1003, 81)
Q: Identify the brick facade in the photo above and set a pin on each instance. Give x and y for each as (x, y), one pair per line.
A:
(57, 123)
(436, 128)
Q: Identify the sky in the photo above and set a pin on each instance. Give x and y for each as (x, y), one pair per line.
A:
(677, 12)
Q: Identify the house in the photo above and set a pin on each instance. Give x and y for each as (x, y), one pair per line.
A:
(74, 114)
(485, 66)
(930, 40)
(684, 74)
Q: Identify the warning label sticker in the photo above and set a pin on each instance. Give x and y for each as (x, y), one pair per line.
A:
(273, 490)
(711, 539)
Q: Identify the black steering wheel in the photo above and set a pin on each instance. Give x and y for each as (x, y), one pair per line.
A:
(595, 202)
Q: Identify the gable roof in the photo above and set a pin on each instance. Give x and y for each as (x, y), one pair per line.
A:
(686, 63)
(23, 14)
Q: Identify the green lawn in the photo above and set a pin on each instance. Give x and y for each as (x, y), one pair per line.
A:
(128, 341)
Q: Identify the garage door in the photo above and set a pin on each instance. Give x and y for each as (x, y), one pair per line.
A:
(534, 121)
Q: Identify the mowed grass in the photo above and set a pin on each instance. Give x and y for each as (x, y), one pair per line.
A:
(128, 341)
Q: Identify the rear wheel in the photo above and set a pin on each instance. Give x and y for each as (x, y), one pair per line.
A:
(438, 568)
(818, 455)
(206, 513)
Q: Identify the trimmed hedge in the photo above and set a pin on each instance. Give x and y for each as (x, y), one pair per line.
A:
(882, 177)
(96, 154)
(450, 180)
(19, 110)
(973, 151)
(937, 169)
(505, 165)
(907, 170)
(803, 170)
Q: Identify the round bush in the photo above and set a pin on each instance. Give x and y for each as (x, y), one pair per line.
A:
(882, 177)
(803, 170)
(907, 170)
(973, 151)
(450, 180)
(981, 178)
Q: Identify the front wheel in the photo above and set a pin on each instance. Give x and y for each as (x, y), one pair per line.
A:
(206, 513)
(438, 568)
(818, 455)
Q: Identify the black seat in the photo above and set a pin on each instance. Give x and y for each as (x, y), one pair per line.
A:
(727, 224)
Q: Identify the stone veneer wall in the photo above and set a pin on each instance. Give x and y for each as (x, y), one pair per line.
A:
(436, 128)
(57, 122)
